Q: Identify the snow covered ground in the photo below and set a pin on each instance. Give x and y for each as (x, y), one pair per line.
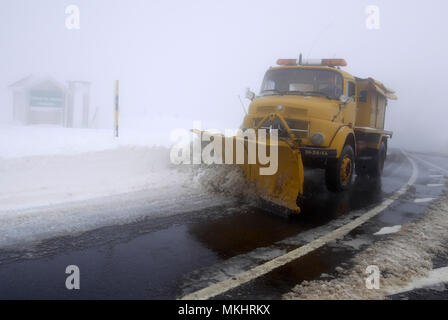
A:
(46, 180)
(57, 181)
(51, 176)
(44, 165)
(20, 141)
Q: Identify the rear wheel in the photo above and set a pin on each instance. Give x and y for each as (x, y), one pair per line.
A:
(377, 165)
(339, 172)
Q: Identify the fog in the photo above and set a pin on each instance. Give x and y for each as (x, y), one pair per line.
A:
(191, 59)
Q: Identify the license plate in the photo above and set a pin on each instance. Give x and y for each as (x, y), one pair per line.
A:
(318, 153)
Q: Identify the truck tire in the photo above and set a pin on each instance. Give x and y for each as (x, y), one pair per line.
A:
(361, 168)
(377, 165)
(339, 172)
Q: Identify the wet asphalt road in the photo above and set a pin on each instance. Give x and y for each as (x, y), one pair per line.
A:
(166, 258)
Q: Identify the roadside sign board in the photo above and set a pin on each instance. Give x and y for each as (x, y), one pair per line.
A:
(43, 98)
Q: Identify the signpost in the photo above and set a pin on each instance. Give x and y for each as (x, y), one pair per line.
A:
(116, 108)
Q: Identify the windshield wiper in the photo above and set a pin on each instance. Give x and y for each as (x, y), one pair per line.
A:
(295, 92)
(306, 93)
(318, 93)
(274, 90)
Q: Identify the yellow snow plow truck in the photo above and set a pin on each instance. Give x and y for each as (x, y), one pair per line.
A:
(324, 118)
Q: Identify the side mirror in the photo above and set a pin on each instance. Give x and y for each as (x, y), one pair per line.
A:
(249, 94)
(345, 99)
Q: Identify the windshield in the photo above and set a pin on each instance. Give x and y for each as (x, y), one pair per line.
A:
(313, 82)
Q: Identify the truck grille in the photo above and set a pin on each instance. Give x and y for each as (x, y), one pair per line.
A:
(292, 111)
(299, 127)
(266, 109)
(296, 111)
(256, 121)
(275, 124)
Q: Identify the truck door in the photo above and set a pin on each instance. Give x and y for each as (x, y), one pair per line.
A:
(350, 110)
(373, 109)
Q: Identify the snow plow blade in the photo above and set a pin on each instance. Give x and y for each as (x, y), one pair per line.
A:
(285, 186)
(281, 187)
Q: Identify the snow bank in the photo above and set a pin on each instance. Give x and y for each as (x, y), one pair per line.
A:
(402, 258)
(43, 197)
(22, 141)
(48, 180)
(58, 181)
(47, 165)
(147, 131)
(436, 277)
(225, 179)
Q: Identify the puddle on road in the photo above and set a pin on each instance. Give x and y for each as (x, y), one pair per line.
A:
(245, 230)
(316, 264)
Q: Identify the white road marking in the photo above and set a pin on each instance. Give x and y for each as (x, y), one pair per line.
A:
(435, 276)
(430, 164)
(436, 175)
(388, 230)
(434, 185)
(258, 271)
(423, 200)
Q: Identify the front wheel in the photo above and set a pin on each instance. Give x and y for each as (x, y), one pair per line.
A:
(339, 172)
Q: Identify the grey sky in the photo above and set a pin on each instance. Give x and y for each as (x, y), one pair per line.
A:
(192, 58)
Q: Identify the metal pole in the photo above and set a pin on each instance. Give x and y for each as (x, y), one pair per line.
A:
(116, 107)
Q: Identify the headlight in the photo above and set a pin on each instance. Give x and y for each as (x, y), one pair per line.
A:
(317, 138)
